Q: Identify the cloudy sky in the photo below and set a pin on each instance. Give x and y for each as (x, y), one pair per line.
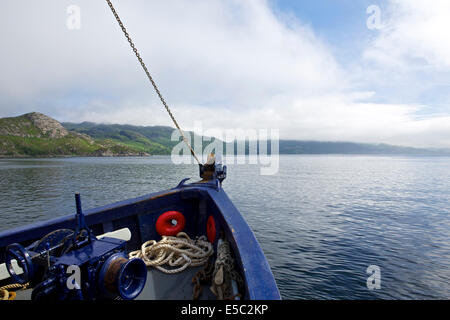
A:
(336, 70)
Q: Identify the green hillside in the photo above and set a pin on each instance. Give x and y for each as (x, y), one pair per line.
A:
(153, 140)
(36, 135)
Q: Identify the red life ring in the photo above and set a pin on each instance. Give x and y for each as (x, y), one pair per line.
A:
(165, 225)
(211, 229)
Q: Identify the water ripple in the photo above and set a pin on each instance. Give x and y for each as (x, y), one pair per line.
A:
(321, 221)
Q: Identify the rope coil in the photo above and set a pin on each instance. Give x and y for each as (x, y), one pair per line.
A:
(225, 282)
(177, 252)
(224, 273)
(6, 294)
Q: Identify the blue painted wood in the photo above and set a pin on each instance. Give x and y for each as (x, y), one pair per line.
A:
(259, 279)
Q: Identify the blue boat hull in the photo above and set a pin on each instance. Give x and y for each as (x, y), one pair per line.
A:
(197, 202)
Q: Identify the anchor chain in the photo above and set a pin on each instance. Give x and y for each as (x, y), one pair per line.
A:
(202, 277)
(220, 275)
(141, 61)
(224, 275)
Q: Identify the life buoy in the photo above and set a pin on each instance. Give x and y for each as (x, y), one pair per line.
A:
(165, 225)
(211, 229)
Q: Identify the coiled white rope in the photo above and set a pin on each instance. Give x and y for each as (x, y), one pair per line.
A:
(177, 252)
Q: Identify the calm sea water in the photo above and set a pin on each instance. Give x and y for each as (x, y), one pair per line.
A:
(321, 221)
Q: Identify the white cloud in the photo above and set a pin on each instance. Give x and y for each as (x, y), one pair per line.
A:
(415, 35)
(229, 64)
(409, 60)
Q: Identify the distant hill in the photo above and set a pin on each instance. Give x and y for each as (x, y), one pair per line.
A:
(320, 147)
(156, 140)
(153, 140)
(37, 135)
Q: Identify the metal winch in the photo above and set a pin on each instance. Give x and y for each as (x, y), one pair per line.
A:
(75, 265)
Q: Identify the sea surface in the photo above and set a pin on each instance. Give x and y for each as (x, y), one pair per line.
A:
(321, 220)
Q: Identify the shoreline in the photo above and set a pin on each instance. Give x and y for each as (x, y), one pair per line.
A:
(281, 154)
(74, 156)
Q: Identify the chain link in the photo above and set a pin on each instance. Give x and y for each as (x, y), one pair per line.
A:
(130, 41)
